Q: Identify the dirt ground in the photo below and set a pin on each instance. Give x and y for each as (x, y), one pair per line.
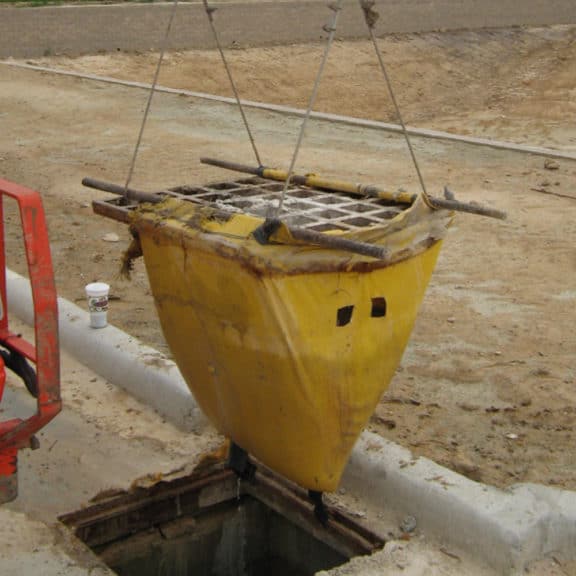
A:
(487, 385)
(515, 85)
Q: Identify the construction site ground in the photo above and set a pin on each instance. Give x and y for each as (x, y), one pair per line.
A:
(487, 384)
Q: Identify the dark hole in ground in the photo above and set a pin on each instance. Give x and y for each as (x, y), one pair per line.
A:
(214, 526)
(243, 538)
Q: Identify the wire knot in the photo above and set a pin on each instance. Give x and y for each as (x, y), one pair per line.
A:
(266, 229)
(370, 14)
(209, 9)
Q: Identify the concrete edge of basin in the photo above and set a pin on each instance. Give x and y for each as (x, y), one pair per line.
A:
(508, 529)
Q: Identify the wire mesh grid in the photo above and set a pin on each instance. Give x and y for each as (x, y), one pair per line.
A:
(304, 207)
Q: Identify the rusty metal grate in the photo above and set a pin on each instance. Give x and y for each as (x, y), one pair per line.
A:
(304, 207)
(309, 208)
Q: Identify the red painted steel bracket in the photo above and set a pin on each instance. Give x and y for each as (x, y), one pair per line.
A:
(45, 354)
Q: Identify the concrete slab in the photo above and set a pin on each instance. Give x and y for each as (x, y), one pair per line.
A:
(32, 547)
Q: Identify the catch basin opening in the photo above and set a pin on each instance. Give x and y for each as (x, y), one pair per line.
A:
(216, 525)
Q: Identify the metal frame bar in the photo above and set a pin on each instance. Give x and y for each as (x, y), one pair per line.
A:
(45, 353)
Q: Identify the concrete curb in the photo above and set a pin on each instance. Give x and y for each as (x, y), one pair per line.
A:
(321, 116)
(119, 358)
(506, 528)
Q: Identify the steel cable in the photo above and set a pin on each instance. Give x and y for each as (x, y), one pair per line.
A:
(210, 13)
(331, 28)
(371, 17)
(150, 96)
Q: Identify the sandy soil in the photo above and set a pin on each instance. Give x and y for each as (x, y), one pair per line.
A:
(487, 386)
(514, 85)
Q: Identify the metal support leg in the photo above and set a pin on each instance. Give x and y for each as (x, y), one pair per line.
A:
(239, 461)
(319, 507)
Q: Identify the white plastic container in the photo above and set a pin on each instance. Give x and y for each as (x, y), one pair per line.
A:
(97, 294)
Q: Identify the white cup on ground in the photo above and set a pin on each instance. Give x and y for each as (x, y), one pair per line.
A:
(97, 294)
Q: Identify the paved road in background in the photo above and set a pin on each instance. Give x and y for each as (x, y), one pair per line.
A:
(73, 30)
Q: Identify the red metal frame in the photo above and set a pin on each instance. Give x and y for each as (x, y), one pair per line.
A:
(45, 354)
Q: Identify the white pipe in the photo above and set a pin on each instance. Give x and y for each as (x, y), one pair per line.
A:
(116, 356)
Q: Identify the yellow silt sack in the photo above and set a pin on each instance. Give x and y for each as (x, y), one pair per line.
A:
(286, 347)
